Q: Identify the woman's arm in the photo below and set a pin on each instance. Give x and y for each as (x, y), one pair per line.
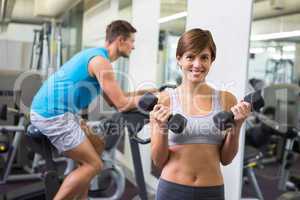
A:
(159, 132)
(241, 111)
(230, 145)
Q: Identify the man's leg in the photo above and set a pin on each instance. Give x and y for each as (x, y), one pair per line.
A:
(78, 181)
(85, 193)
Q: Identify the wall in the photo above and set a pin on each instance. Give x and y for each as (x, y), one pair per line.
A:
(229, 21)
(15, 46)
(95, 21)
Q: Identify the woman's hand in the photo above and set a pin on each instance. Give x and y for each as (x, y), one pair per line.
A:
(159, 116)
(241, 111)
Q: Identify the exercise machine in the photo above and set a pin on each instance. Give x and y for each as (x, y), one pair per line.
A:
(30, 173)
(129, 123)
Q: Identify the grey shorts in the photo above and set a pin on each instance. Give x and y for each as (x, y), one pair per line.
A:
(63, 131)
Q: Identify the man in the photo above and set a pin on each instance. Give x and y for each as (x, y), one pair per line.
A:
(72, 88)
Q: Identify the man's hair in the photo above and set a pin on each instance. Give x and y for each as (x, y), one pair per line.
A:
(196, 40)
(118, 28)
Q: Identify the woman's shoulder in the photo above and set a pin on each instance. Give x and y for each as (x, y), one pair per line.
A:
(227, 100)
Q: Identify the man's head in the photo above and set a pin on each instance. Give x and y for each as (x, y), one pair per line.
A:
(121, 33)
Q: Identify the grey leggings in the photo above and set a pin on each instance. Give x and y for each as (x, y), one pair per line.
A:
(172, 191)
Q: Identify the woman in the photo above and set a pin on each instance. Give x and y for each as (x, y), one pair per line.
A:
(190, 161)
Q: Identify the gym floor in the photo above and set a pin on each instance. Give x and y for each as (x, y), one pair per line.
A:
(15, 189)
(268, 178)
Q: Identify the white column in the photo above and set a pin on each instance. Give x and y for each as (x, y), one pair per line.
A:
(143, 60)
(229, 22)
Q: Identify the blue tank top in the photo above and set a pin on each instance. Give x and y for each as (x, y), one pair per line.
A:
(71, 88)
(200, 129)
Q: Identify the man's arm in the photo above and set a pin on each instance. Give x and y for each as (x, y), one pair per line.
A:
(103, 71)
(108, 101)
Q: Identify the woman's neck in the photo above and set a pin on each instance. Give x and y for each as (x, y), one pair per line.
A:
(195, 98)
(193, 89)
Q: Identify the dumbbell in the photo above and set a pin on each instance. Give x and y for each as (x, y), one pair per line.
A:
(176, 123)
(224, 120)
(165, 86)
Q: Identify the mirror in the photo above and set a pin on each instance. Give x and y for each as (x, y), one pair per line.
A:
(271, 164)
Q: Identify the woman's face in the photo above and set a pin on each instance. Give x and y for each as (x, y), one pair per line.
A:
(195, 67)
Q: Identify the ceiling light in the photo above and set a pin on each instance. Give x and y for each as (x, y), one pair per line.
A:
(172, 17)
(273, 36)
(289, 48)
(257, 50)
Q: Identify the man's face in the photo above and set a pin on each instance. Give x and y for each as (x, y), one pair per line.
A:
(126, 45)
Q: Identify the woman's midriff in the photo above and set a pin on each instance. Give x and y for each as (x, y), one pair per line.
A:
(194, 165)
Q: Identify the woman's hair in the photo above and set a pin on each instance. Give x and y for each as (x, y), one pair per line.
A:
(118, 28)
(196, 40)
